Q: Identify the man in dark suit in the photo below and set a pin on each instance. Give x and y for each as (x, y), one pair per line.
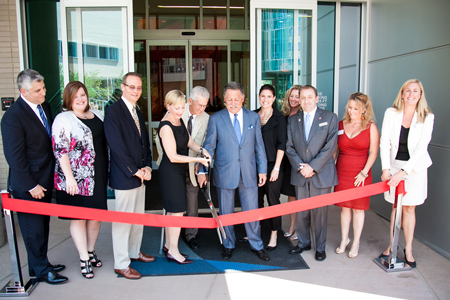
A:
(312, 140)
(27, 145)
(234, 136)
(131, 159)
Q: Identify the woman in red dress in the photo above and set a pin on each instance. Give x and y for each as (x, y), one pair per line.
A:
(358, 140)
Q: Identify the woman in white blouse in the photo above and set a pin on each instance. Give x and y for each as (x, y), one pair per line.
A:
(405, 135)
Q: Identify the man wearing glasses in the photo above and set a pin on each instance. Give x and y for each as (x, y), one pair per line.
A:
(131, 159)
(196, 120)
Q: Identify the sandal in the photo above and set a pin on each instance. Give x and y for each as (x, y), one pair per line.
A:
(86, 269)
(95, 262)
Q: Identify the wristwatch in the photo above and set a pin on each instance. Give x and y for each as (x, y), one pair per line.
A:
(200, 151)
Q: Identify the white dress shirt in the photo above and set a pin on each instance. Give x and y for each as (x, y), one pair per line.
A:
(34, 108)
(240, 117)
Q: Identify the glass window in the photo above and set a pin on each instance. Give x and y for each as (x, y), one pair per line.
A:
(240, 66)
(174, 14)
(215, 14)
(139, 21)
(237, 13)
(325, 54)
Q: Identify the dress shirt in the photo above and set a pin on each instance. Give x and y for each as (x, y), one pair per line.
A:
(311, 115)
(240, 117)
(129, 105)
(34, 108)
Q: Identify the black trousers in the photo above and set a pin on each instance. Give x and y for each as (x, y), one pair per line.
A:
(35, 230)
(272, 190)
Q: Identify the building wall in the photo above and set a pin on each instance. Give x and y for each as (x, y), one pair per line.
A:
(9, 66)
(410, 39)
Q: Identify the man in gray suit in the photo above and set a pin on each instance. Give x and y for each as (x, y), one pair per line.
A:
(312, 140)
(234, 135)
(196, 121)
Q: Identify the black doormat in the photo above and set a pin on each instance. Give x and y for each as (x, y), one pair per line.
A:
(208, 258)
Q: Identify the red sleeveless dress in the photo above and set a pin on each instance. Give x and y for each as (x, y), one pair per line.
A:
(352, 158)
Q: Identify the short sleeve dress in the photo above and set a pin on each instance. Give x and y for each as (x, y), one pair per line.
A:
(172, 176)
(352, 158)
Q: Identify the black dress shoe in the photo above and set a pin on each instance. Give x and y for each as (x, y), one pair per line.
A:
(227, 253)
(243, 240)
(193, 244)
(298, 249)
(382, 255)
(58, 268)
(262, 254)
(320, 256)
(270, 248)
(54, 278)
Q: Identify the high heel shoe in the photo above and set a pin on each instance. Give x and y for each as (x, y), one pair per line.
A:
(338, 249)
(95, 262)
(287, 234)
(354, 254)
(87, 268)
(412, 264)
(184, 262)
(165, 250)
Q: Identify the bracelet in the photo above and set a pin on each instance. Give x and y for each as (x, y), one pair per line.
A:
(362, 174)
(276, 169)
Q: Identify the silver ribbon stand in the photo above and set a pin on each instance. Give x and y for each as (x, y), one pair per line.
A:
(17, 287)
(393, 263)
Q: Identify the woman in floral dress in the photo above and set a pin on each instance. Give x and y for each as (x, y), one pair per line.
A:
(79, 145)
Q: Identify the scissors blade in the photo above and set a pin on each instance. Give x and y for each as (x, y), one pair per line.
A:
(207, 192)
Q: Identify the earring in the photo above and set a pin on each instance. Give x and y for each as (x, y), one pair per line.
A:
(362, 116)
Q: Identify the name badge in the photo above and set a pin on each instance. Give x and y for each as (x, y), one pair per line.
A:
(323, 124)
(341, 132)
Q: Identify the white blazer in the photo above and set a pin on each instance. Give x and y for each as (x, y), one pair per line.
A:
(418, 139)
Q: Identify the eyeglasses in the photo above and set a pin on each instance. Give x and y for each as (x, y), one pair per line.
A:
(201, 106)
(132, 87)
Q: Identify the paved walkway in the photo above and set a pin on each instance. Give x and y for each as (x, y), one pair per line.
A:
(338, 277)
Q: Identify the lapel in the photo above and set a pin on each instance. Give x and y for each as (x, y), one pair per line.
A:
(398, 126)
(197, 125)
(301, 126)
(33, 118)
(247, 123)
(227, 121)
(315, 124)
(127, 115)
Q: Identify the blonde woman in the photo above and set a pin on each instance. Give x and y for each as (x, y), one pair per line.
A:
(176, 141)
(291, 106)
(405, 135)
(358, 140)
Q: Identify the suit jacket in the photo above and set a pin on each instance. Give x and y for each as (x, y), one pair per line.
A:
(418, 139)
(198, 136)
(231, 158)
(129, 151)
(28, 149)
(317, 151)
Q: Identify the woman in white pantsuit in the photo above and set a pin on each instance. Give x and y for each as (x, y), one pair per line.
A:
(405, 135)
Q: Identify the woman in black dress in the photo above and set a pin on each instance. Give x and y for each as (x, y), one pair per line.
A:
(273, 128)
(176, 141)
(81, 169)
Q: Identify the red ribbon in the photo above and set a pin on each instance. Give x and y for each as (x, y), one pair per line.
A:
(67, 211)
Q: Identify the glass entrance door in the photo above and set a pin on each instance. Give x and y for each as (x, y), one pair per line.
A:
(183, 65)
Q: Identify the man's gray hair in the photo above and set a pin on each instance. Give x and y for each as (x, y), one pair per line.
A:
(27, 77)
(233, 85)
(199, 91)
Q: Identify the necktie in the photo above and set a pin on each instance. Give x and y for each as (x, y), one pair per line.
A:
(307, 126)
(237, 128)
(190, 124)
(136, 120)
(44, 120)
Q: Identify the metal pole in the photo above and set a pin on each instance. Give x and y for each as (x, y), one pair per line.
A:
(17, 287)
(393, 263)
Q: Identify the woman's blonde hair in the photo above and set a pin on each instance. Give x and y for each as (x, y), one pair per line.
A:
(422, 107)
(364, 103)
(175, 97)
(286, 107)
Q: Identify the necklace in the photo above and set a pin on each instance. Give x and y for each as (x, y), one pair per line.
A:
(265, 118)
(80, 115)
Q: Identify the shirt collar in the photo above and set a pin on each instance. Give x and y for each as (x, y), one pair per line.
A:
(311, 114)
(32, 105)
(128, 104)
(239, 114)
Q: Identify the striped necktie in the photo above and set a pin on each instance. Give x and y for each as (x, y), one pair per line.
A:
(44, 120)
(136, 119)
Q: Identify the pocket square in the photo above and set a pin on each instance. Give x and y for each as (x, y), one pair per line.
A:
(251, 127)
(323, 124)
